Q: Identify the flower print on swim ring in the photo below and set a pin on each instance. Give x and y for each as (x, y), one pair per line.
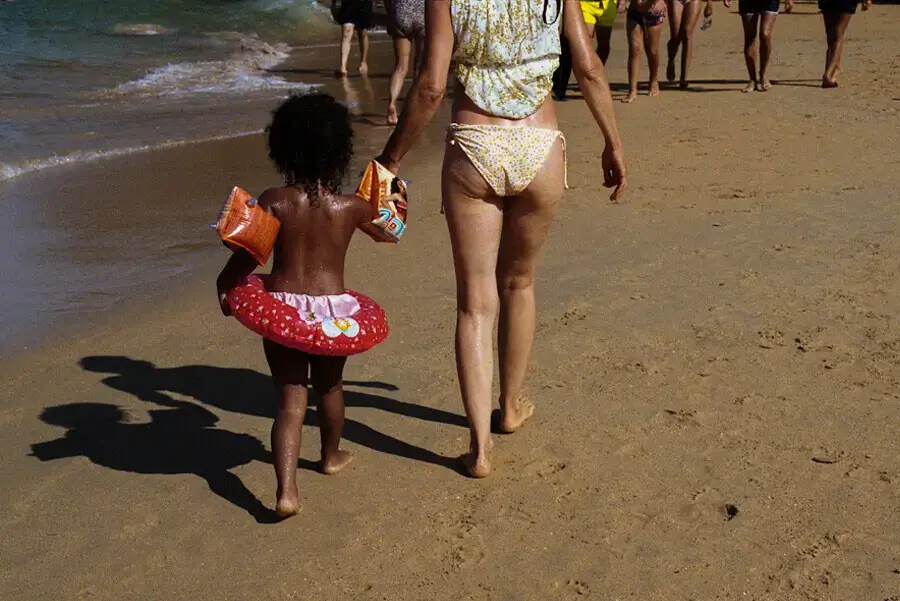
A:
(336, 325)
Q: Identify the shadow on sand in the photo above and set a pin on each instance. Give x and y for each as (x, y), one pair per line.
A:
(182, 437)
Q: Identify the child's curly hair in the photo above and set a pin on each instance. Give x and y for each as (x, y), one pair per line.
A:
(311, 141)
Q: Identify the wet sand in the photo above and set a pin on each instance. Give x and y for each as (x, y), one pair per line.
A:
(717, 375)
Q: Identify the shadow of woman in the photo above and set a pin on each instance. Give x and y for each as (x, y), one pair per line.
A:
(249, 392)
(180, 439)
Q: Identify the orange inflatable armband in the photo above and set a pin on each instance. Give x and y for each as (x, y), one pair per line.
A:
(244, 224)
(387, 194)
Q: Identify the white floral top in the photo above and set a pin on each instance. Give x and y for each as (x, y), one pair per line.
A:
(506, 53)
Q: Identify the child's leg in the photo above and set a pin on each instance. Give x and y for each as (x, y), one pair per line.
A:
(290, 369)
(651, 47)
(327, 374)
(635, 37)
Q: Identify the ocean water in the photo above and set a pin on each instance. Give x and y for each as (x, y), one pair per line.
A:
(86, 78)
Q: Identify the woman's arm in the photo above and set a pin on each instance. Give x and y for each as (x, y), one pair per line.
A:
(429, 88)
(591, 76)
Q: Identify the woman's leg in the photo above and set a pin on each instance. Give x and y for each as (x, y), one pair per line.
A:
(346, 40)
(835, 28)
(402, 50)
(363, 35)
(751, 26)
(689, 20)
(326, 374)
(675, 9)
(526, 220)
(635, 43)
(290, 370)
(767, 24)
(474, 218)
(651, 47)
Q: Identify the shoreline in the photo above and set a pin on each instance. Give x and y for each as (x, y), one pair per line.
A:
(716, 372)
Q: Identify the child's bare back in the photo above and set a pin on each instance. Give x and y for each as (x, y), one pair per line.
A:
(314, 237)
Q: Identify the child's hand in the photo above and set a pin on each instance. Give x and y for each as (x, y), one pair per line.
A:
(708, 11)
(223, 304)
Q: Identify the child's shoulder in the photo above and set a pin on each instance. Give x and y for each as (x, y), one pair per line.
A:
(353, 205)
(272, 197)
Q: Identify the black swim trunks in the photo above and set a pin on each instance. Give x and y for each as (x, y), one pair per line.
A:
(758, 7)
(846, 7)
(354, 12)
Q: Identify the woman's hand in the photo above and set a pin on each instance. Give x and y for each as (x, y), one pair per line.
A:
(614, 172)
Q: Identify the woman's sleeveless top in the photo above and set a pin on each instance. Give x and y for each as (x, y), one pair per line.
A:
(506, 53)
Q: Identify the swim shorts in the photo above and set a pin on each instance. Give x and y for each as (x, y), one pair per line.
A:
(758, 7)
(599, 12)
(355, 12)
(644, 19)
(408, 18)
(846, 7)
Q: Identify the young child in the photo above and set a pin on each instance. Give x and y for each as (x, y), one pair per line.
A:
(310, 142)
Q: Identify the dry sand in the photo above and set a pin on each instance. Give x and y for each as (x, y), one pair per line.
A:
(717, 374)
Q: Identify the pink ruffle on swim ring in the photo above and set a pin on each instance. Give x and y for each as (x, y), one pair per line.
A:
(316, 334)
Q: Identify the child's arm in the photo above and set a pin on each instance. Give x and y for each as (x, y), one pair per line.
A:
(241, 263)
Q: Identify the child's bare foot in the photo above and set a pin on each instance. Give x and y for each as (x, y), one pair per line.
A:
(630, 98)
(392, 115)
(750, 87)
(654, 88)
(334, 463)
(514, 418)
(288, 503)
(363, 69)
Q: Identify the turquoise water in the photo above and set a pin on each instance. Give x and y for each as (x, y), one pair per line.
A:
(81, 78)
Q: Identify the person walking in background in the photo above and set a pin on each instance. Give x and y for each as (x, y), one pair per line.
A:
(836, 14)
(600, 16)
(406, 25)
(758, 18)
(644, 26)
(353, 15)
(683, 18)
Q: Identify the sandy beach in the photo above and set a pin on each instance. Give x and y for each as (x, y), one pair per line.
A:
(716, 372)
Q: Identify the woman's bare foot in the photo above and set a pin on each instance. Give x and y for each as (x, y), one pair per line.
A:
(476, 467)
(630, 98)
(750, 87)
(829, 81)
(288, 504)
(363, 68)
(670, 66)
(654, 88)
(764, 86)
(513, 419)
(392, 115)
(342, 72)
(332, 464)
(683, 84)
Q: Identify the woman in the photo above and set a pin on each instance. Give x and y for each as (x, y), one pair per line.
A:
(758, 17)
(406, 24)
(503, 177)
(836, 14)
(683, 18)
(353, 15)
(644, 27)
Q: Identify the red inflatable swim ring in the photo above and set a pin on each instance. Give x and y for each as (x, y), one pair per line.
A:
(280, 322)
